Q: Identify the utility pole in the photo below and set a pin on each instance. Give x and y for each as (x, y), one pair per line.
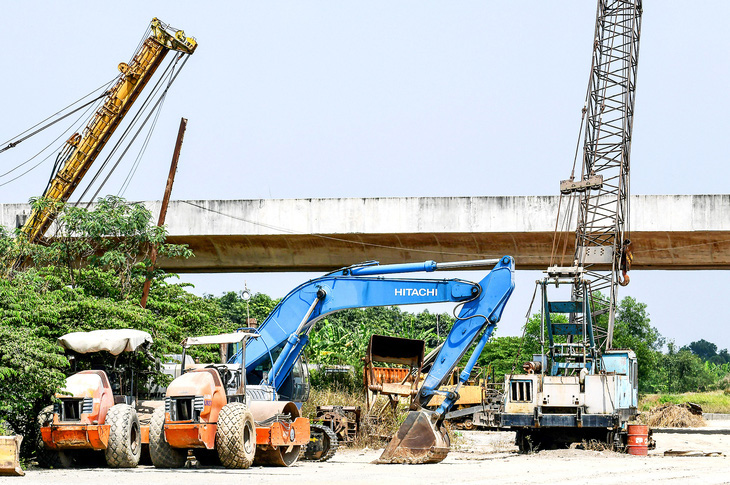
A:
(163, 208)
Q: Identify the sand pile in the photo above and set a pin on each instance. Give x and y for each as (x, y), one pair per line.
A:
(671, 416)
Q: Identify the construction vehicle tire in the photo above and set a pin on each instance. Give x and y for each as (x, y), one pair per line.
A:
(161, 453)
(322, 445)
(236, 436)
(125, 438)
(48, 458)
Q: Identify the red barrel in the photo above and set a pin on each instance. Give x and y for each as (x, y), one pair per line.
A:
(638, 439)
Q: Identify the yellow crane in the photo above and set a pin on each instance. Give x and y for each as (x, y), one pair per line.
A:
(80, 151)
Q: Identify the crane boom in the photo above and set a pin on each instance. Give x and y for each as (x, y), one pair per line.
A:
(81, 150)
(602, 245)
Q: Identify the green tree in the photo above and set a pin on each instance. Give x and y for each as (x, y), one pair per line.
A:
(114, 236)
(722, 357)
(505, 355)
(235, 307)
(703, 349)
(633, 330)
(31, 369)
(683, 371)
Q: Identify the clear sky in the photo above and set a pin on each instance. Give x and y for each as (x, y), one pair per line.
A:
(380, 98)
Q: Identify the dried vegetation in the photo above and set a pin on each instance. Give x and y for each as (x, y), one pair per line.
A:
(374, 433)
(671, 416)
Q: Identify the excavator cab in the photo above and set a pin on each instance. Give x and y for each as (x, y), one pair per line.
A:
(296, 386)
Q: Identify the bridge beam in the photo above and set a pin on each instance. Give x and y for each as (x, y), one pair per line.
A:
(668, 232)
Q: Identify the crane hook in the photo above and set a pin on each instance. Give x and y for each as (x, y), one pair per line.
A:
(627, 257)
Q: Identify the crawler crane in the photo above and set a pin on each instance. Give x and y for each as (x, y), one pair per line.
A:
(581, 388)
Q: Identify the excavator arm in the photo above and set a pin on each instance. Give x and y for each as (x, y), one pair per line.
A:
(288, 325)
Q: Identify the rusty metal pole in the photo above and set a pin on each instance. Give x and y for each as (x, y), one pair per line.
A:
(163, 208)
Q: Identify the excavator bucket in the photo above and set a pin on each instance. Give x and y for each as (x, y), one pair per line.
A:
(420, 439)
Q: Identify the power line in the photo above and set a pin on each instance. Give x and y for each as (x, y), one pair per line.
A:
(13, 144)
(41, 151)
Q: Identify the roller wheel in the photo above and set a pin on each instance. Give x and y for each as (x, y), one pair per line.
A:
(125, 438)
(161, 453)
(48, 458)
(322, 444)
(236, 436)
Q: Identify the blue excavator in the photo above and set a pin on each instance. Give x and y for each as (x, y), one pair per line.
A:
(273, 361)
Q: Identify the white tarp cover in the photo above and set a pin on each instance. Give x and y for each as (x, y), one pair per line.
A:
(113, 341)
(224, 338)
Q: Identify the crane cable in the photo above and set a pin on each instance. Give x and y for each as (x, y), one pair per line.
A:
(126, 132)
(133, 170)
(156, 108)
(557, 236)
(41, 151)
(144, 37)
(173, 76)
(524, 336)
(13, 144)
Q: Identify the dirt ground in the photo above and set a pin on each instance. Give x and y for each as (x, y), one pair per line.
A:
(481, 457)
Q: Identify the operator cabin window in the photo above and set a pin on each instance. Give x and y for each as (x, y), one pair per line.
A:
(521, 391)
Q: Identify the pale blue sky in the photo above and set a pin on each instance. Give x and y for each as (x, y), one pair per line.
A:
(381, 98)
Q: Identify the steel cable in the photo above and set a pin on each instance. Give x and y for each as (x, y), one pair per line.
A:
(12, 144)
(158, 102)
(119, 142)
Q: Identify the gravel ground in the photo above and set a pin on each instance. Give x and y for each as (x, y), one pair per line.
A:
(480, 457)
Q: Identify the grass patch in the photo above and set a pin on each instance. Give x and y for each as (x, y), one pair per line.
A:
(331, 397)
(711, 402)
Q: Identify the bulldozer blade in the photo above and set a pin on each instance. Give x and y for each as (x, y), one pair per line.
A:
(420, 439)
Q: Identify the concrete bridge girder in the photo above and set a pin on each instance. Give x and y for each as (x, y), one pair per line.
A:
(668, 232)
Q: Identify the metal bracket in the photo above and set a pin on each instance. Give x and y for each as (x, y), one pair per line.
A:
(565, 271)
(593, 182)
(596, 254)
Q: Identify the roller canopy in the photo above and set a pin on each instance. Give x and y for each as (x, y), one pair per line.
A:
(224, 338)
(113, 341)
